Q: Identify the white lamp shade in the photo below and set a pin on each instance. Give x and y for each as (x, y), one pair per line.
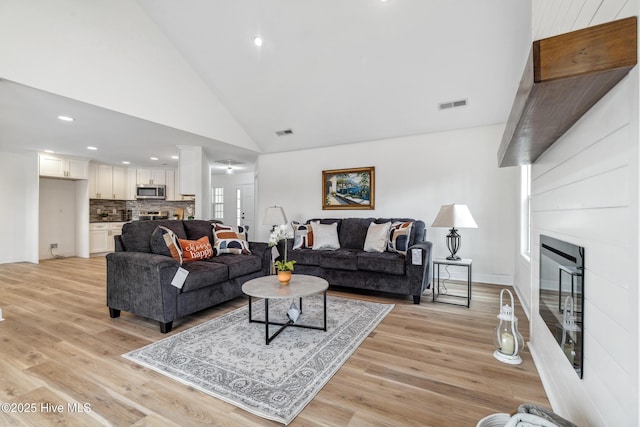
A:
(274, 215)
(454, 216)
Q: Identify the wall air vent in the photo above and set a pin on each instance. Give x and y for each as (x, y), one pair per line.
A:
(284, 132)
(452, 104)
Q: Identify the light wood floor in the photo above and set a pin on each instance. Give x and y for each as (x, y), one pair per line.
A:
(425, 365)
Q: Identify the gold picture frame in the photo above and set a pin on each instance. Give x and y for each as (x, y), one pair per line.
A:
(348, 188)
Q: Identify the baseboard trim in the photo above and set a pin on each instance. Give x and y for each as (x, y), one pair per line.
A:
(552, 395)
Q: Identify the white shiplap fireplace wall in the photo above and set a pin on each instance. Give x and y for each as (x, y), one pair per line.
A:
(585, 191)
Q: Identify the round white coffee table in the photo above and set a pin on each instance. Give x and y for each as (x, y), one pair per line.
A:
(268, 287)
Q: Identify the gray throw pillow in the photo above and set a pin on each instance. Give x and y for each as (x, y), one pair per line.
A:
(325, 236)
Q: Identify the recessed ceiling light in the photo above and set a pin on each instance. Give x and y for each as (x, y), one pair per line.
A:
(175, 157)
(257, 40)
(125, 162)
(49, 151)
(153, 158)
(92, 148)
(66, 118)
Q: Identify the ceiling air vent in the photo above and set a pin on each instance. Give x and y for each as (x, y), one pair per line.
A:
(452, 104)
(284, 132)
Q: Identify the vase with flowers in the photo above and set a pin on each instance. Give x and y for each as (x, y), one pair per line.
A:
(284, 266)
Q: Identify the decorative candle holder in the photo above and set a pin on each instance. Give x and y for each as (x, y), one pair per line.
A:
(506, 337)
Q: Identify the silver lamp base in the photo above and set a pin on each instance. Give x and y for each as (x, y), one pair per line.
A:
(453, 244)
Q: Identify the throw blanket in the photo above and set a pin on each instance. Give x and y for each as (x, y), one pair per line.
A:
(530, 415)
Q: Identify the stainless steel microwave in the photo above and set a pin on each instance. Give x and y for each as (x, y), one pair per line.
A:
(151, 191)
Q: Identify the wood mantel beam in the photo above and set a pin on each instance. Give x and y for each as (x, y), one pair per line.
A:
(564, 77)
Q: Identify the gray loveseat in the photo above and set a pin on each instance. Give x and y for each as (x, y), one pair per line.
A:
(139, 280)
(352, 267)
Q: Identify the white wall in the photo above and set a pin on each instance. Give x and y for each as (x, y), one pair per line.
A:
(585, 191)
(414, 176)
(203, 198)
(64, 218)
(195, 178)
(19, 202)
(57, 217)
(110, 54)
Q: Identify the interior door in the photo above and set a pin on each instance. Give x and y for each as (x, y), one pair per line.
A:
(247, 207)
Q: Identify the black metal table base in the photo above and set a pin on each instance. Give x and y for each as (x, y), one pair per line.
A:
(283, 326)
(436, 288)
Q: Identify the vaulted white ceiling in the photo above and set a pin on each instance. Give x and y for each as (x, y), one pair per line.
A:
(333, 71)
(337, 71)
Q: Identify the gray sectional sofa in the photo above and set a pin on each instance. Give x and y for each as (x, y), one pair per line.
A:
(351, 267)
(139, 273)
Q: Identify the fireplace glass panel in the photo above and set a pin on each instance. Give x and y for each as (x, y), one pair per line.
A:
(562, 295)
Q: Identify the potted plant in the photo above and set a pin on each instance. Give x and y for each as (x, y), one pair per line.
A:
(284, 267)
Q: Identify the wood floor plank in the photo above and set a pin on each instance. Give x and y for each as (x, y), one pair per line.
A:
(193, 408)
(425, 365)
(46, 409)
(15, 382)
(71, 382)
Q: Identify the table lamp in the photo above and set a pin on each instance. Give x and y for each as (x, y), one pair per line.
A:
(454, 216)
(274, 216)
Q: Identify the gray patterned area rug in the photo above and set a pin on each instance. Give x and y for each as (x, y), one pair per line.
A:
(227, 357)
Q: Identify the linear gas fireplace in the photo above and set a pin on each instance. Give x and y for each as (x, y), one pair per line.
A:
(562, 295)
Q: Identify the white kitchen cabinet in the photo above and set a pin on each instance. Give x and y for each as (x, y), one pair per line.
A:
(151, 176)
(159, 177)
(107, 182)
(131, 184)
(143, 176)
(119, 183)
(115, 229)
(104, 184)
(93, 180)
(98, 238)
(62, 167)
(78, 169)
(172, 185)
(176, 188)
(101, 236)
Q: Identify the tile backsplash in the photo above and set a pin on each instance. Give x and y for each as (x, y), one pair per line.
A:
(103, 210)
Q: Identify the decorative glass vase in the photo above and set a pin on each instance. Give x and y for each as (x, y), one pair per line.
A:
(284, 277)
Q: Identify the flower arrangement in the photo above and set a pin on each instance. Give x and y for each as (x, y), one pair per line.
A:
(280, 233)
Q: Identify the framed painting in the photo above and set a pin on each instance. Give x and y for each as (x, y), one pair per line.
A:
(348, 188)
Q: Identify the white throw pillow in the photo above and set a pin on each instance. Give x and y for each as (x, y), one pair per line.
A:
(377, 237)
(325, 236)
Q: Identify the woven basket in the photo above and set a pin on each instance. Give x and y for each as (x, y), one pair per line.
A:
(494, 420)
